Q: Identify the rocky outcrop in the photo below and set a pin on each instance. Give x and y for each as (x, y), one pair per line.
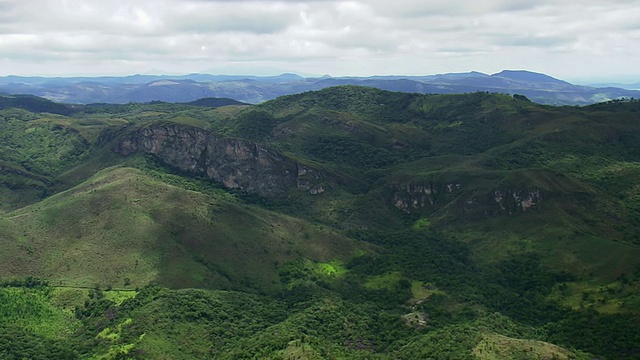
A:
(235, 163)
(419, 196)
(515, 200)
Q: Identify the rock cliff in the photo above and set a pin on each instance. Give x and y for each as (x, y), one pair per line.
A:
(235, 163)
(416, 196)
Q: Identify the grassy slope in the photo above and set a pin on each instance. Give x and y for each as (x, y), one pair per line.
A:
(122, 224)
(494, 347)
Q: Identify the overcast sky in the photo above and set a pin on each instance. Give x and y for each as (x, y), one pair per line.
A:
(573, 40)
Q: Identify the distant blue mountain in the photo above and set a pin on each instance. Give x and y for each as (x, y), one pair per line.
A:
(537, 87)
(529, 77)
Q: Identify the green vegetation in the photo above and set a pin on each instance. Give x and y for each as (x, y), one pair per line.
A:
(151, 231)
(476, 226)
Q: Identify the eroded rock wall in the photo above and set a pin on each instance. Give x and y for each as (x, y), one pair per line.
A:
(235, 163)
(418, 196)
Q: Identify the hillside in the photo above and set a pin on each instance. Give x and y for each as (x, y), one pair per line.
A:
(123, 228)
(349, 222)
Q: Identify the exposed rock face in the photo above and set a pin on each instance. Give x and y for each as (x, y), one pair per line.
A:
(517, 200)
(417, 196)
(236, 163)
(503, 201)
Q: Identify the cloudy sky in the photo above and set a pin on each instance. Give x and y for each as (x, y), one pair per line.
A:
(583, 40)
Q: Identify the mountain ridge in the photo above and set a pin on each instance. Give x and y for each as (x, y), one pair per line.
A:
(538, 87)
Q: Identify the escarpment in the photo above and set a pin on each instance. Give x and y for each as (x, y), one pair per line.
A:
(235, 163)
(415, 196)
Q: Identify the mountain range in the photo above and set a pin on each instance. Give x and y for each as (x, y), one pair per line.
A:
(538, 87)
(347, 222)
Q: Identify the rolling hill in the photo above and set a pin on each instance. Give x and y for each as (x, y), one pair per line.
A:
(349, 222)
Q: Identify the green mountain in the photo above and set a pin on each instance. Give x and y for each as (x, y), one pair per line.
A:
(343, 223)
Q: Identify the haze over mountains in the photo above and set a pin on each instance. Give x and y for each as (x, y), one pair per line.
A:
(537, 87)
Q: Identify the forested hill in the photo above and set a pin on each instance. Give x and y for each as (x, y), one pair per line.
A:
(33, 103)
(42, 105)
(349, 222)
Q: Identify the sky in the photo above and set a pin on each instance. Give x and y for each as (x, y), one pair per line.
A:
(578, 41)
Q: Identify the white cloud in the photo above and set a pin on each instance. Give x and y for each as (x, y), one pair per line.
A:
(564, 39)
